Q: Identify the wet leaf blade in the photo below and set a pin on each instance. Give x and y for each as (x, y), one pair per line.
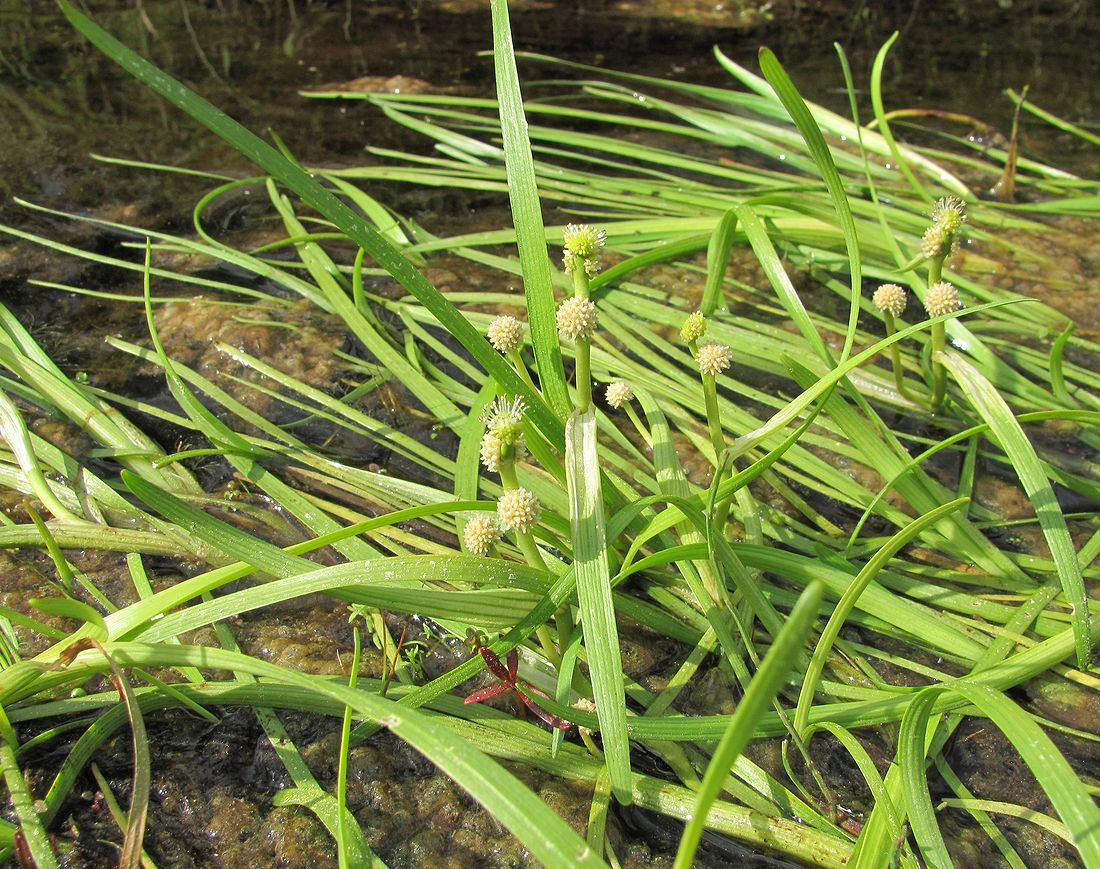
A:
(995, 411)
(527, 215)
(597, 610)
(800, 113)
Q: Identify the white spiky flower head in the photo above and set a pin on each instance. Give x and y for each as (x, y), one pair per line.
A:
(583, 242)
(504, 418)
(481, 534)
(518, 510)
(577, 319)
(505, 333)
(941, 298)
(949, 213)
(890, 298)
(619, 393)
(942, 237)
(694, 328)
(713, 359)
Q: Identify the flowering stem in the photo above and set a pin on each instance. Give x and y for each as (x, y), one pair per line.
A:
(524, 539)
(642, 430)
(521, 368)
(895, 355)
(717, 439)
(533, 555)
(939, 340)
(583, 348)
(939, 373)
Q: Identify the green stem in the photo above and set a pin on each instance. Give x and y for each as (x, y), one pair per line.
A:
(717, 441)
(895, 355)
(642, 430)
(939, 373)
(583, 349)
(583, 355)
(521, 368)
(939, 340)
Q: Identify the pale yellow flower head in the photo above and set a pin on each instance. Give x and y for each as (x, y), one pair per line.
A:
(518, 510)
(890, 297)
(694, 328)
(949, 213)
(713, 359)
(490, 451)
(941, 298)
(583, 243)
(505, 334)
(619, 393)
(481, 534)
(577, 319)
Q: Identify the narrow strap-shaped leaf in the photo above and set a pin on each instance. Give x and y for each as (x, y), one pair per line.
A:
(848, 601)
(551, 840)
(527, 216)
(601, 636)
(215, 533)
(796, 106)
(718, 255)
(781, 282)
(1004, 425)
(1058, 779)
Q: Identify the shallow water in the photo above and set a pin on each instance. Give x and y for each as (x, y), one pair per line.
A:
(213, 786)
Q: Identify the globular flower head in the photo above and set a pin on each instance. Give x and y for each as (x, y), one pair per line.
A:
(518, 510)
(583, 243)
(577, 319)
(890, 298)
(713, 359)
(941, 298)
(694, 328)
(505, 334)
(481, 534)
(619, 393)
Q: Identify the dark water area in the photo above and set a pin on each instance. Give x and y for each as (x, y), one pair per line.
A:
(64, 101)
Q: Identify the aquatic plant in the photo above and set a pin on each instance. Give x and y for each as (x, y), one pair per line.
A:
(606, 529)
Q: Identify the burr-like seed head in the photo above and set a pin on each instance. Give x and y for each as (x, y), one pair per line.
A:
(941, 298)
(577, 319)
(694, 328)
(505, 334)
(481, 534)
(713, 359)
(619, 393)
(890, 297)
(518, 510)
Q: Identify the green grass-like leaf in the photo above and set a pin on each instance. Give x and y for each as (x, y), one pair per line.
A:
(1004, 426)
(597, 611)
